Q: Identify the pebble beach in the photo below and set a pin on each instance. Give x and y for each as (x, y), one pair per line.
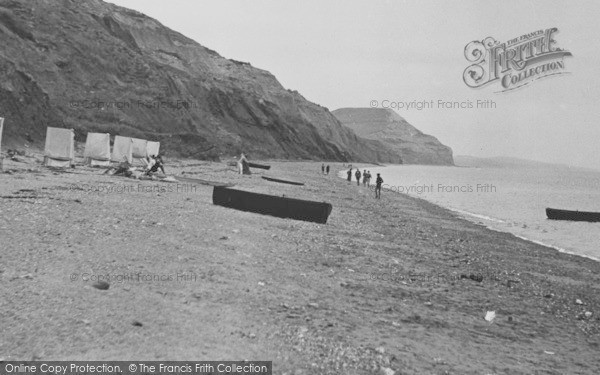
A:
(99, 267)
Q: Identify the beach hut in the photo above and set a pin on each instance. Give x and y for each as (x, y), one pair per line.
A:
(1, 158)
(153, 148)
(97, 149)
(1, 128)
(140, 150)
(60, 147)
(122, 149)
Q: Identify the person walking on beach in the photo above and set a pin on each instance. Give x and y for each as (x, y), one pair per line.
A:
(357, 175)
(323, 168)
(378, 183)
(368, 178)
(365, 176)
(327, 169)
(350, 175)
(243, 165)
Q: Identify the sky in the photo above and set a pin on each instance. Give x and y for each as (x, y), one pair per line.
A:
(363, 53)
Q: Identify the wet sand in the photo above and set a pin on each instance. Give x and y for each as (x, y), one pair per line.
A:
(396, 284)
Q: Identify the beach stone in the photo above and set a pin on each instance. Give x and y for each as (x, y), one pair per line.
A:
(578, 302)
(387, 371)
(380, 350)
(588, 314)
(137, 324)
(101, 285)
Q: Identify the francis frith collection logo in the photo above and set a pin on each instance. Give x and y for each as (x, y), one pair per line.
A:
(515, 63)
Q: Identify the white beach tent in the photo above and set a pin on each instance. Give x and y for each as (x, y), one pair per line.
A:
(140, 151)
(122, 149)
(60, 147)
(1, 128)
(1, 158)
(153, 148)
(97, 149)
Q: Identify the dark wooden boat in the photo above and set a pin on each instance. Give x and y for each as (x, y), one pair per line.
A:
(282, 181)
(259, 166)
(283, 207)
(556, 214)
(251, 165)
(202, 182)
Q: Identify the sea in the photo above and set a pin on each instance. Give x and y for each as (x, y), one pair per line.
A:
(510, 199)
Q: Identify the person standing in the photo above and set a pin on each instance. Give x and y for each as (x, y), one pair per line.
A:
(357, 175)
(365, 176)
(327, 169)
(243, 166)
(378, 183)
(323, 168)
(350, 175)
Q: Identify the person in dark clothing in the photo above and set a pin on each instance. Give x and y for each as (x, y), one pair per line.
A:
(378, 183)
(350, 175)
(327, 169)
(322, 168)
(158, 164)
(123, 168)
(357, 175)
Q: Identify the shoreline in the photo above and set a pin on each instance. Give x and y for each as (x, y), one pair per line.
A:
(471, 217)
(298, 293)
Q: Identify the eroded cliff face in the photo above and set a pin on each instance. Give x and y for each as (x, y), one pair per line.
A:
(389, 128)
(94, 66)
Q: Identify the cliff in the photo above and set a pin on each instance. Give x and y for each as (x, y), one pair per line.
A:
(389, 128)
(94, 66)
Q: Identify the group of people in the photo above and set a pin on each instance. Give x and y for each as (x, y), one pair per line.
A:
(324, 169)
(153, 164)
(366, 180)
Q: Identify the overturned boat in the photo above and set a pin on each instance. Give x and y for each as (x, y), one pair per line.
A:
(283, 207)
(282, 181)
(259, 166)
(556, 214)
(251, 165)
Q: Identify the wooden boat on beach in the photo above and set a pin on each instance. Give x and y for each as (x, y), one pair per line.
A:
(259, 166)
(556, 214)
(251, 165)
(281, 181)
(202, 182)
(283, 207)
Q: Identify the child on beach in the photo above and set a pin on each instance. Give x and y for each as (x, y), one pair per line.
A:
(378, 183)
(357, 174)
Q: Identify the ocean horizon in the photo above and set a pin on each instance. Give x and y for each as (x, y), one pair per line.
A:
(508, 199)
